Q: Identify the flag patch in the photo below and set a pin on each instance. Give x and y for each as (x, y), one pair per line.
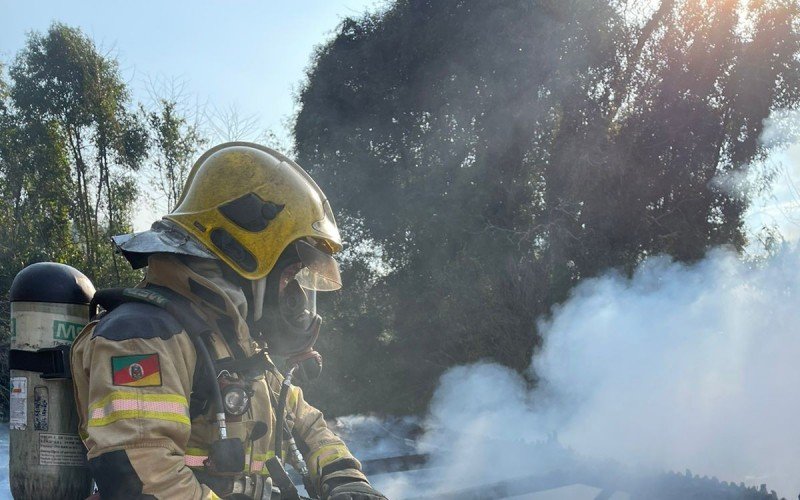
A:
(139, 370)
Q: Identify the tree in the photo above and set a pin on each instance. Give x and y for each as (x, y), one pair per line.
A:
(499, 152)
(174, 142)
(68, 146)
(35, 196)
(61, 82)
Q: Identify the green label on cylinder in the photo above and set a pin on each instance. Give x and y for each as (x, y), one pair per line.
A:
(64, 330)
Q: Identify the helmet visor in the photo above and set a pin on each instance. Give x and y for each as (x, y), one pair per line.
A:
(320, 271)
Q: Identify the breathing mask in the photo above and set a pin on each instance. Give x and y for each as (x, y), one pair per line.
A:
(285, 303)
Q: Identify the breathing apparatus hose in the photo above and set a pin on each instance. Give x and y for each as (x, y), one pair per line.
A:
(301, 465)
(216, 394)
(193, 324)
(281, 411)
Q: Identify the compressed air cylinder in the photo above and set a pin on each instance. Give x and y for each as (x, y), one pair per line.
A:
(49, 307)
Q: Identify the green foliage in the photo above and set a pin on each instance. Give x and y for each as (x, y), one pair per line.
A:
(495, 153)
(68, 149)
(36, 192)
(174, 144)
(63, 83)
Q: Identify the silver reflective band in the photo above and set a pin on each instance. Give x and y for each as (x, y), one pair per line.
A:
(223, 431)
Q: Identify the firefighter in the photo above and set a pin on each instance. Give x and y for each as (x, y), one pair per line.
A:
(246, 249)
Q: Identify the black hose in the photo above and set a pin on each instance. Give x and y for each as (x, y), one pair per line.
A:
(180, 309)
(208, 364)
(280, 417)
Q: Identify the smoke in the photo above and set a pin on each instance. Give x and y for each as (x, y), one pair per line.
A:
(777, 203)
(684, 367)
(374, 438)
(678, 367)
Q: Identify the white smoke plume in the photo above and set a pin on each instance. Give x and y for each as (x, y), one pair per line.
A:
(679, 367)
(778, 206)
(682, 367)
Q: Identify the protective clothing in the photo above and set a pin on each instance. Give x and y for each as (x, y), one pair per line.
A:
(147, 433)
(246, 203)
(352, 491)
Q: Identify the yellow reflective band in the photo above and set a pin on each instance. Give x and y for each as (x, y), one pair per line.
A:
(122, 405)
(196, 457)
(294, 395)
(326, 455)
(259, 462)
(132, 414)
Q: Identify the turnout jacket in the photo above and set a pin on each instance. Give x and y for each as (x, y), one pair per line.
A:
(134, 371)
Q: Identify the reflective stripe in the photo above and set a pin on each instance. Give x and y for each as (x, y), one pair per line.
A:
(326, 455)
(259, 460)
(199, 461)
(132, 405)
(294, 395)
(121, 405)
(195, 460)
(196, 457)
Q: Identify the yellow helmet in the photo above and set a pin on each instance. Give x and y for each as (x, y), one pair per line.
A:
(247, 203)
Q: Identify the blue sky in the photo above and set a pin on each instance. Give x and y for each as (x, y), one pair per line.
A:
(248, 54)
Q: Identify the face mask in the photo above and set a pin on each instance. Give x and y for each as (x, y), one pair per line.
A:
(287, 317)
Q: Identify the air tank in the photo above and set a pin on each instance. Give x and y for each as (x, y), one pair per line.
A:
(47, 459)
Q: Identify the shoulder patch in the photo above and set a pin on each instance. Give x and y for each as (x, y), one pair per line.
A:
(136, 370)
(135, 320)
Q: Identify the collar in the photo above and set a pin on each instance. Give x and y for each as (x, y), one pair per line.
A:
(217, 300)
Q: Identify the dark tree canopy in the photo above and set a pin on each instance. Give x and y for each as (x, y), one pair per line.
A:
(492, 154)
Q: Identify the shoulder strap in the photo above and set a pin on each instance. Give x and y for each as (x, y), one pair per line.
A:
(197, 328)
(179, 308)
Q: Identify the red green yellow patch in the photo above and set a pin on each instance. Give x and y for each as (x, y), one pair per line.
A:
(139, 370)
